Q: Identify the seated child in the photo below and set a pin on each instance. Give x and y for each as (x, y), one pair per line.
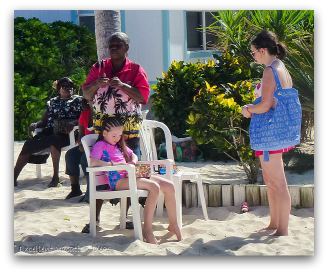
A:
(110, 149)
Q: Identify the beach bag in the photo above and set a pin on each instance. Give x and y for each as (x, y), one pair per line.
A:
(280, 127)
(143, 170)
(64, 126)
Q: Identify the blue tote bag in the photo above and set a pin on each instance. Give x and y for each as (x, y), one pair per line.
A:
(280, 127)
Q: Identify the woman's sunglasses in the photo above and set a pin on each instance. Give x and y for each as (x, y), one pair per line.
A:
(253, 52)
(67, 87)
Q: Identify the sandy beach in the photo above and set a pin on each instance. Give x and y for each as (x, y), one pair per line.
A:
(45, 224)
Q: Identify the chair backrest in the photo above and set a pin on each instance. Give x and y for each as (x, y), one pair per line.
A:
(88, 141)
(147, 140)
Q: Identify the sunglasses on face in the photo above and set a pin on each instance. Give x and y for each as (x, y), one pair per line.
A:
(118, 46)
(253, 52)
(67, 87)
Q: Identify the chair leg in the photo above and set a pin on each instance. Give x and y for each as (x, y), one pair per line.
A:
(38, 171)
(136, 218)
(178, 198)
(92, 204)
(160, 205)
(123, 212)
(201, 196)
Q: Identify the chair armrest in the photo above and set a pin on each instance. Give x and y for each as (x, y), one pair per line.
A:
(157, 162)
(71, 136)
(127, 167)
(168, 163)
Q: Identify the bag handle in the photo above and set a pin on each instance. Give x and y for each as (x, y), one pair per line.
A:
(276, 78)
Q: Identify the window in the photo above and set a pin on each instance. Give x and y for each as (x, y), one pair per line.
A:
(87, 20)
(197, 38)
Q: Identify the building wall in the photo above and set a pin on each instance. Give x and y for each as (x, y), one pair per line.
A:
(177, 35)
(144, 29)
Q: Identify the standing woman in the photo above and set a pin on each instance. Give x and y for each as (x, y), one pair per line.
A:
(65, 107)
(266, 50)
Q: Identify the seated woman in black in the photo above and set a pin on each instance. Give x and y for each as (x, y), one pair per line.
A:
(64, 106)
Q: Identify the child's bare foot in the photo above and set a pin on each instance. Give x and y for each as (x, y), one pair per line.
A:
(149, 237)
(175, 230)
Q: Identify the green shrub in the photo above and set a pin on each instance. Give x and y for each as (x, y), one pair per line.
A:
(174, 92)
(44, 53)
(204, 101)
(216, 119)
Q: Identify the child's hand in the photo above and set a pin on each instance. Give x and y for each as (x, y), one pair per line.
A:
(118, 163)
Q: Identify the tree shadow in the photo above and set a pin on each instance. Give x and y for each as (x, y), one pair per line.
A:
(38, 184)
(34, 204)
(74, 243)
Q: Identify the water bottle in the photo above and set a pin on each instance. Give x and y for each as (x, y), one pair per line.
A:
(162, 170)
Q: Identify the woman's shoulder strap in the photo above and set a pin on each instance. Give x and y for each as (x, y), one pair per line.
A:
(276, 78)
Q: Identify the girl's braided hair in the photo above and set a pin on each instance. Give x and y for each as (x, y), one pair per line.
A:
(107, 124)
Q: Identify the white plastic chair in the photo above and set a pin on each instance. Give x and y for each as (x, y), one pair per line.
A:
(149, 153)
(88, 141)
(72, 144)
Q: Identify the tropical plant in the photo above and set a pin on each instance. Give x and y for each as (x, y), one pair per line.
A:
(216, 119)
(295, 28)
(43, 53)
(175, 90)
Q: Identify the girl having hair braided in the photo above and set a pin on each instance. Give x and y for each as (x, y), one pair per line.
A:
(110, 149)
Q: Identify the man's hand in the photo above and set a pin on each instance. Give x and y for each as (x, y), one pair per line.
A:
(115, 82)
(102, 81)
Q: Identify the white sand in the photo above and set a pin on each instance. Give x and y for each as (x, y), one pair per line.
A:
(46, 224)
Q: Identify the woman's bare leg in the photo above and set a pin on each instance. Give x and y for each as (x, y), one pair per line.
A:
(20, 163)
(274, 169)
(55, 155)
(272, 204)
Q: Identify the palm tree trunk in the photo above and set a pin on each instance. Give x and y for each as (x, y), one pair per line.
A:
(106, 23)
